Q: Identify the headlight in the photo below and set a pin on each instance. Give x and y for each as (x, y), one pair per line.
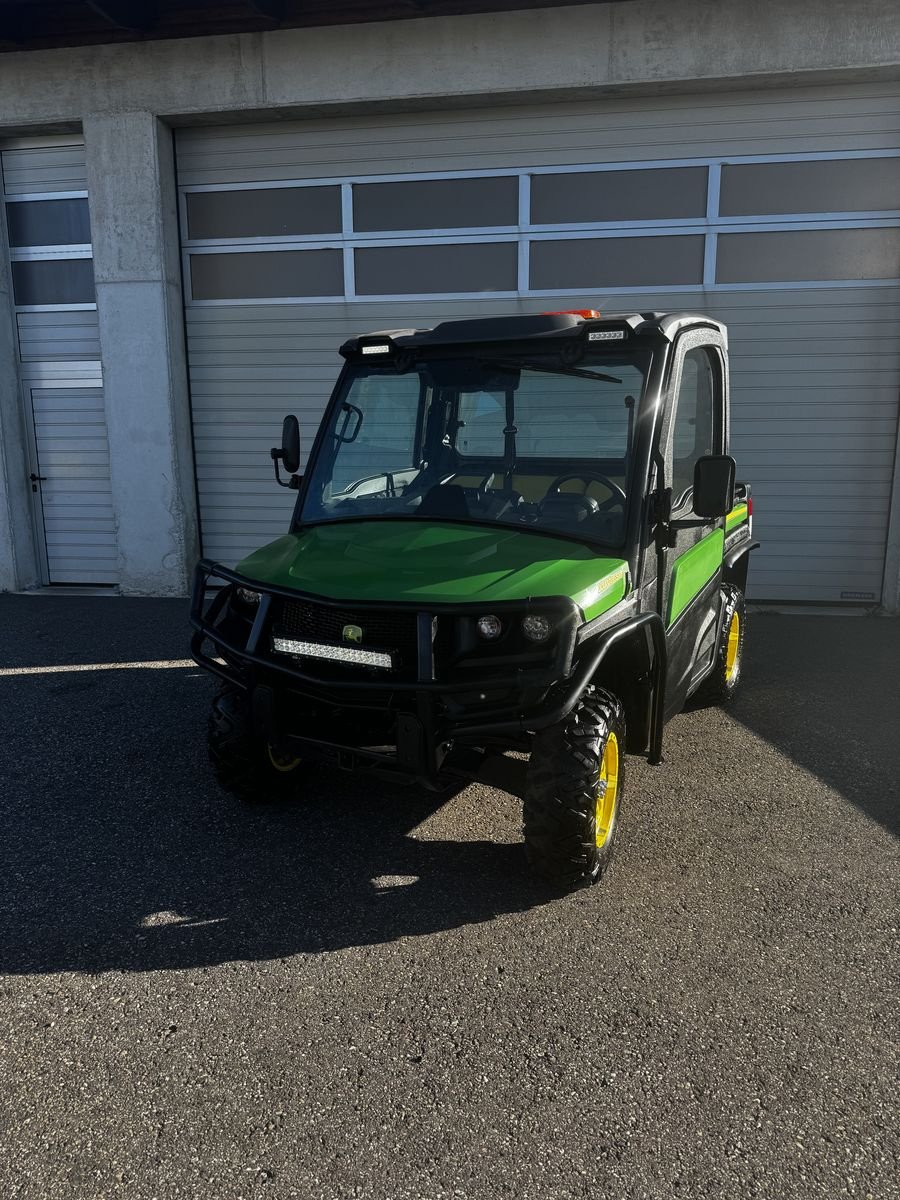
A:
(490, 627)
(247, 596)
(536, 629)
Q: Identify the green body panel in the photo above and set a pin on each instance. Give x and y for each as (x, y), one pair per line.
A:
(736, 517)
(692, 570)
(438, 562)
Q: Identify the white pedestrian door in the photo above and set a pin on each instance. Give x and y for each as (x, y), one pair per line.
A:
(70, 481)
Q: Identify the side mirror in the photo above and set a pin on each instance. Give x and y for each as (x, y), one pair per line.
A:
(290, 445)
(288, 452)
(714, 485)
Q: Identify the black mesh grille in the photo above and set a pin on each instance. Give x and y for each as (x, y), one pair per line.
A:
(381, 630)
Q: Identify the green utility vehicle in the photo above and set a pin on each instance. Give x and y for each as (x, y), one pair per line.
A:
(516, 534)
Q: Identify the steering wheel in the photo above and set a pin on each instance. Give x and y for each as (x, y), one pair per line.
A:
(617, 496)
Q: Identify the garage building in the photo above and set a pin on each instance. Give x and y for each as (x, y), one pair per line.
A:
(193, 226)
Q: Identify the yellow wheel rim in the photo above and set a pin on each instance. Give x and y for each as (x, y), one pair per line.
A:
(731, 652)
(282, 762)
(607, 791)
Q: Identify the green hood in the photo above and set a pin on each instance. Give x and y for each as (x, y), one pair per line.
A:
(422, 561)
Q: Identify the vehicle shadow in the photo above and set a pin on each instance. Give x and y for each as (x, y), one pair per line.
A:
(825, 692)
(121, 853)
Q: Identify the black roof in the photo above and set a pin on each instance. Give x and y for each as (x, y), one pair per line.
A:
(529, 328)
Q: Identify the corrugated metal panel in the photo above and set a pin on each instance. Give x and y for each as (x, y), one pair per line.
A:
(816, 376)
(59, 334)
(44, 169)
(815, 371)
(862, 117)
(76, 496)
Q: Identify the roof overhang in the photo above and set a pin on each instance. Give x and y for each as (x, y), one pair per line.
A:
(48, 24)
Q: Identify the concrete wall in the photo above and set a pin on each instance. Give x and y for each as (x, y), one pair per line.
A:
(536, 53)
(118, 94)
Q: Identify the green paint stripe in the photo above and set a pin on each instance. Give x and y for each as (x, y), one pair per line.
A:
(737, 516)
(692, 570)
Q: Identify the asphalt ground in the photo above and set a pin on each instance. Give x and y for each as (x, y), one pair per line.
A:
(364, 994)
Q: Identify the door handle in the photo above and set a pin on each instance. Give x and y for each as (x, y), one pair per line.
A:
(35, 480)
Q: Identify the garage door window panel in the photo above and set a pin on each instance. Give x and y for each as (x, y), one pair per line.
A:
(435, 269)
(274, 274)
(594, 197)
(625, 262)
(436, 204)
(263, 213)
(808, 255)
(32, 223)
(53, 281)
(831, 185)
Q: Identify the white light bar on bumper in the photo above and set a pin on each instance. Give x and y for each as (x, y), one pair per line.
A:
(344, 654)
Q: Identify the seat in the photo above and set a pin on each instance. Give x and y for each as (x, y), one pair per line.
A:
(447, 500)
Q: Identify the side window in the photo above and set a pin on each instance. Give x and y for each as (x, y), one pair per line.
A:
(697, 427)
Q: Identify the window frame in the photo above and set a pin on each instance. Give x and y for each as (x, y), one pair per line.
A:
(683, 503)
(43, 253)
(525, 232)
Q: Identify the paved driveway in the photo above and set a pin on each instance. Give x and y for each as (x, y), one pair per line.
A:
(365, 995)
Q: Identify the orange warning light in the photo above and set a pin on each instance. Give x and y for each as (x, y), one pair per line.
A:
(587, 313)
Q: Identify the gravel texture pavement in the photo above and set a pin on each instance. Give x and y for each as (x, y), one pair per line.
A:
(364, 994)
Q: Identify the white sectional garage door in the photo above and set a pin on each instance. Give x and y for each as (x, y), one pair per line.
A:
(778, 213)
(43, 190)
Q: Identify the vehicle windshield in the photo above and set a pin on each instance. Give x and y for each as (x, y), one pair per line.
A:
(546, 448)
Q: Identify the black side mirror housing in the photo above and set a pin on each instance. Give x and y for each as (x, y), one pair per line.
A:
(288, 452)
(290, 445)
(714, 485)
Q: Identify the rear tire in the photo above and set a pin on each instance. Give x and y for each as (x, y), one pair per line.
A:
(574, 791)
(722, 682)
(242, 765)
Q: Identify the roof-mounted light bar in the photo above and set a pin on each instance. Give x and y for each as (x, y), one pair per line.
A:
(376, 348)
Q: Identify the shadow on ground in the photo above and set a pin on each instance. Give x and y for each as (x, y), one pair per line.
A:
(825, 692)
(119, 852)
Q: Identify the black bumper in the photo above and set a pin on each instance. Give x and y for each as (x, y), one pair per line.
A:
(420, 720)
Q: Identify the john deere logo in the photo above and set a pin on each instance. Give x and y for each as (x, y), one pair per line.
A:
(352, 633)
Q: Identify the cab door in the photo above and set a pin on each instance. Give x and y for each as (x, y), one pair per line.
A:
(693, 560)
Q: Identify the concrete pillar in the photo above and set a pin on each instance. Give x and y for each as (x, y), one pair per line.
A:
(131, 190)
(18, 564)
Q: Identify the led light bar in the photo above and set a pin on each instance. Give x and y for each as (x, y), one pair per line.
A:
(607, 335)
(381, 348)
(345, 654)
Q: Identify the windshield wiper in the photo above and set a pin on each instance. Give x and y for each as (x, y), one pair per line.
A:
(530, 366)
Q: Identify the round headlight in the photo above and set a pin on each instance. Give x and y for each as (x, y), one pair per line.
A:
(536, 629)
(247, 596)
(490, 627)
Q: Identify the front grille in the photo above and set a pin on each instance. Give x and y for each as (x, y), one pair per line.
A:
(392, 632)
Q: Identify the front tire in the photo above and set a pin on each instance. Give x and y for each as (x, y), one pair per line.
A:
(247, 768)
(574, 792)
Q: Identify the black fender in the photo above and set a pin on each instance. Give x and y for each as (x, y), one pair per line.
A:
(735, 564)
(650, 683)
